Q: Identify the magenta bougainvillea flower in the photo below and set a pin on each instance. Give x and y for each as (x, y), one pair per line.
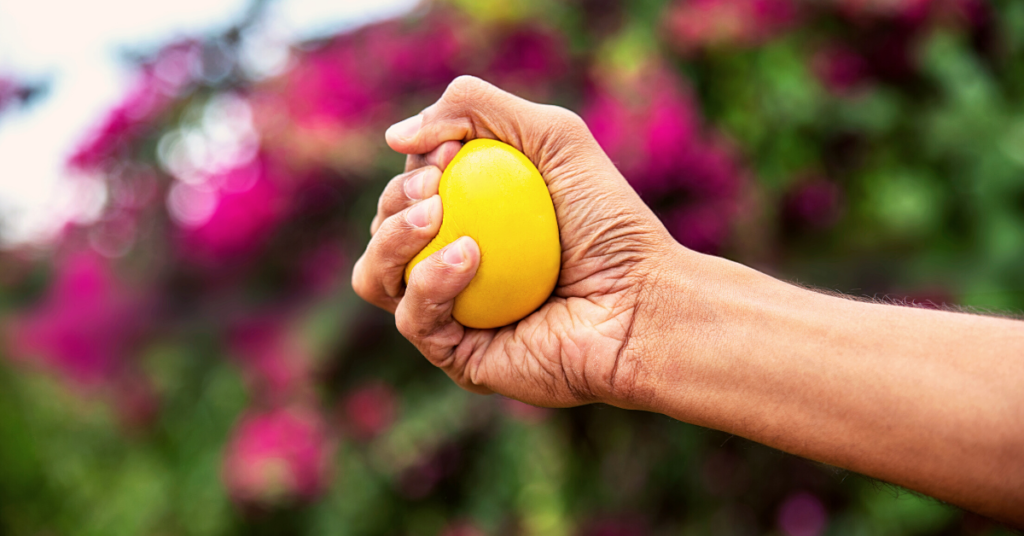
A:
(274, 360)
(278, 456)
(155, 88)
(369, 410)
(814, 203)
(528, 61)
(916, 11)
(84, 328)
(802, 514)
(694, 24)
(353, 79)
(840, 69)
(242, 218)
(653, 132)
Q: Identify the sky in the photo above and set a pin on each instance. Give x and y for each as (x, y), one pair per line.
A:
(76, 47)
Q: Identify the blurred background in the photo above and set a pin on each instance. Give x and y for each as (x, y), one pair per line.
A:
(184, 187)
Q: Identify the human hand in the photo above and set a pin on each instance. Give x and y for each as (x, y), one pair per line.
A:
(581, 345)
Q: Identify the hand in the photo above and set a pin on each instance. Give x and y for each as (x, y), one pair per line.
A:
(581, 345)
(931, 399)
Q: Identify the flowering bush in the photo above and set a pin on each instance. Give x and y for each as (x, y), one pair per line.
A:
(193, 361)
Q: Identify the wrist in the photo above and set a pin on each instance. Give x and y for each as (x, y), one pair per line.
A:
(676, 329)
(702, 323)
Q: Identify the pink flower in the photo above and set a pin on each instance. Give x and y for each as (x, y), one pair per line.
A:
(528, 60)
(816, 203)
(703, 228)
(973, 13)
(910, 10)
(276, 365)
(370, 410)
(695, 24)
(327, 86)
(840, 69)
(278, 456)
(802, 514)
(85, 325)
(645, 128)
(652, 131)
(323, 269)
(354, 78)
(151, 95)
(415, 57)
(242, 220)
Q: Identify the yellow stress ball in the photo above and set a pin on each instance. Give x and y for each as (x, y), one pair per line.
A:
(492, 193)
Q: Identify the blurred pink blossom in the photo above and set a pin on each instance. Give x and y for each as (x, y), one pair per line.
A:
(85, 325)
(972, 13)
(354, 78)
(653, 133)
(370, 410)
(242, 220)
(324, 268)
(695, 24)
(276, 365)
(278, 456)
(802, 514)
(703, 228)
(840, 69)
(645, 132)
(527, 61)
(815, 203)
(154, 89)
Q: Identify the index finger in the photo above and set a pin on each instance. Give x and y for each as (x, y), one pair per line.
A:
(440, 156)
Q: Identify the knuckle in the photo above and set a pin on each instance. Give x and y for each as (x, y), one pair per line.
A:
(394, 195)
(564, 127)
(565, 116)
(359, 284)
(566, 120)
(465, 88)
(405, 325)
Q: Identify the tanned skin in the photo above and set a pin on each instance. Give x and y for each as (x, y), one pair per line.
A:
(930, 400)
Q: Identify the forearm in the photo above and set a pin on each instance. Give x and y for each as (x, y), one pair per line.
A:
(930, 400)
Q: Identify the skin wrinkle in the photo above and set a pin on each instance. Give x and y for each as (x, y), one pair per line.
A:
(565, 357)
(613, 376)
(640, 322)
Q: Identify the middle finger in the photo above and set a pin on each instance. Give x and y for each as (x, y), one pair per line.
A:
(404, 191)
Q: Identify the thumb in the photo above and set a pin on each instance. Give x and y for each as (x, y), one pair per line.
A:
(424, 316)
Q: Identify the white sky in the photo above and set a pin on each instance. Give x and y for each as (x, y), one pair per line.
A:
(75, 45)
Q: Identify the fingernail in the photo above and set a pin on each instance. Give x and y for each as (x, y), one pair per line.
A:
(453, 254)
(419, 214)
(406, 129)
(414, 186)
